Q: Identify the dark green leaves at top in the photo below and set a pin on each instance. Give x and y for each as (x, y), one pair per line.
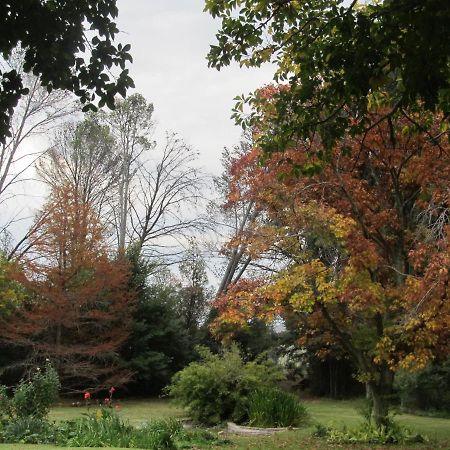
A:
(339, 59)
(53, 36)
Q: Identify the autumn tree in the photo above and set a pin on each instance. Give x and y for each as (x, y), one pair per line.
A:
(363, 246)
(231, 218)
(77, 307)
(335, 56)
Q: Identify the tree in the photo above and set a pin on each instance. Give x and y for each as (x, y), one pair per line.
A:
(163, 199)
(158, 345)
(365, 246)
(131, 125)
(35, 114)
(194, 295)
(77, 308)
(54, 36)
(234, 217)
(338, 59)
(83, 155)
(12, 295)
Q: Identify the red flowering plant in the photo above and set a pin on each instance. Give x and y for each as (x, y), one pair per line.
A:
(87, 398)
(109, 400)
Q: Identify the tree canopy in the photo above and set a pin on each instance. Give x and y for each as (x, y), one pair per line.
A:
(362, 250)
(68, 45)
(338, 60)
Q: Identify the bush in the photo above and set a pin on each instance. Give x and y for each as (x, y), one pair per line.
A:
(23, 418)
(275, 408)
(217, 388)
(27, 430)
(32, 398)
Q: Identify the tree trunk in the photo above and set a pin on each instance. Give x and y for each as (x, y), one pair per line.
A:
(381, 392)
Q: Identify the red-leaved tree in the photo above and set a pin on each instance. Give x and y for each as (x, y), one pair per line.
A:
(77, 308)
(362, 241)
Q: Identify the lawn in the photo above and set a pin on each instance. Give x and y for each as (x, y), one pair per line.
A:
(323, 411)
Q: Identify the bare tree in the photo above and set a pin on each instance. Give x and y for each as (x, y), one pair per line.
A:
(232, 220)
(85, 156)
(36, 114)
(164, 198)
(132, 126)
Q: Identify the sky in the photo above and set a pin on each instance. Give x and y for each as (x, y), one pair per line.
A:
(169, 43)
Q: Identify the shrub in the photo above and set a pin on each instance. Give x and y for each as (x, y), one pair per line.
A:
(27, 430)
(23, 418)
(34, 397)
(97, 429)
(275, 408)
(217, 388)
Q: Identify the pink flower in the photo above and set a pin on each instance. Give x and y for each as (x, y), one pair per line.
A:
(87, 395)
(112, 390)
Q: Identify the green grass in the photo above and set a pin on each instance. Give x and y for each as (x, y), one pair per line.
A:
(323, 411)
(136, 411)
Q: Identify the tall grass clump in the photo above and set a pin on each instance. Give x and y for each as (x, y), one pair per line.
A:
(104, 428)
(270, 407)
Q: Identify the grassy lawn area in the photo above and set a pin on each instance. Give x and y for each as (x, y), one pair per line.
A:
(323, 411)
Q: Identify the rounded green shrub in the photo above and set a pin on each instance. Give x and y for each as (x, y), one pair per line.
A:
(217, 387)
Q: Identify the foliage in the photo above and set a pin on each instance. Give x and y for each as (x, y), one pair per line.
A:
(158, 345)
(427, 389)
(59, 52)
(217, 388)
(275, 408)
(23, 418)
(84, 155)
(337, 58)
(369, 434)
(131, 126)
(194, 293)
(78, 304)
(33, 397)
(11, 292)
(104, 428)
(27, 430)
(361, 246)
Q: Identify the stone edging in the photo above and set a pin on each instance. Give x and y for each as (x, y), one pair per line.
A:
(254, 431)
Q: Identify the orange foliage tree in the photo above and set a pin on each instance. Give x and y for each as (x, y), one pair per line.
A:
(77, 307)
(362, 241)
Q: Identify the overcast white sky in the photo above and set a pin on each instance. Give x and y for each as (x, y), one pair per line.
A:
(169, 42)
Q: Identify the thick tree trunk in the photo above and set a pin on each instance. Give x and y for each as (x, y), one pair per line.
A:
(381, 392)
